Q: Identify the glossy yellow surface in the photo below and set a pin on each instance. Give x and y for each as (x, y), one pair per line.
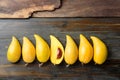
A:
(55, 45)
(100, 50)
(85, 50)
(14, 50)
(71, 51)
(28, 51)
(42, 49)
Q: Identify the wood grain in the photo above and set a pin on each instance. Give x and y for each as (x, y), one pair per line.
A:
(107, 29)
(84, 8)
(25, 8)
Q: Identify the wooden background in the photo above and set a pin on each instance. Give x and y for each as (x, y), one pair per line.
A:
(25, 8)
(107, 29)
(83, 8)
(59, 8)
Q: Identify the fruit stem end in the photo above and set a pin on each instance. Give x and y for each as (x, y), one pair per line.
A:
(41, 64)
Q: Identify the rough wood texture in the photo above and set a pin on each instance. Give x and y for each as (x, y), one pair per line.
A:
(107, 29)
(25, 8)
(85, 8)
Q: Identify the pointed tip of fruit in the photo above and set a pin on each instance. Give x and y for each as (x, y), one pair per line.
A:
(91, 37)
(67, 35)
(95, 39)
(24, 37)
(51, 36)
(35, 35)
(13, 37)
(82, 36)
(83, 39)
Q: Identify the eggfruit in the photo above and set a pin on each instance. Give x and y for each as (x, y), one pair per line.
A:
(100, 50)
(85, 50)
(57, 50)
(42, 49)
(71, 51)
(28, 51)
(14, 51)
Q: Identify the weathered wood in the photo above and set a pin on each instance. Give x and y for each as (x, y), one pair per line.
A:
(84, 8)
(25, 8)
(107, 29)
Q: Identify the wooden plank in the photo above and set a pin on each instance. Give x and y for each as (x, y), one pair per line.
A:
(107, 29)
(25, 8)
(83, 8)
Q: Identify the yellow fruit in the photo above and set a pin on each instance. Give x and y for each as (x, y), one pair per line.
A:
(28, 51)
(42, 49)
(100, 50)
(14, 51)
(71, 51)
(85, 50)
(57, 50)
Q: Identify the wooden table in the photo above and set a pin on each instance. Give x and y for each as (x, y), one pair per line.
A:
(83, 8)
(59, 8)
(107, 29)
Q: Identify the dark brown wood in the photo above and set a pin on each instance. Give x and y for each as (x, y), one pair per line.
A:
(84, 8)
(25, 8)
(107, 29)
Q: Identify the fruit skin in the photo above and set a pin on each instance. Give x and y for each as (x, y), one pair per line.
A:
(28, 51)
(42, 49)
(56, 48)
(14, 50)
(100, 50)
(71, 51)
(85, 50)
